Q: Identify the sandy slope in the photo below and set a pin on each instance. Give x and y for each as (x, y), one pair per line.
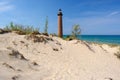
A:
(57, 59)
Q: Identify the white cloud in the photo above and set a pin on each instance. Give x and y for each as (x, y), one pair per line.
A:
(6, 6)
(114, 13)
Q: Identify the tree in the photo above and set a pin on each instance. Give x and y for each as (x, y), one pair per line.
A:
(46, 25)
(76, 30)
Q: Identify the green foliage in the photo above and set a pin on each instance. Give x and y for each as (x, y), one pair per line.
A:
(21, 29)
(69, 38)
(76, 30)
(46, 26)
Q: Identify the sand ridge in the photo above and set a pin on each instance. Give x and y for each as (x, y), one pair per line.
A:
(56, 59)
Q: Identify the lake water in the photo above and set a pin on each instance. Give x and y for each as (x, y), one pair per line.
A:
(109, 39)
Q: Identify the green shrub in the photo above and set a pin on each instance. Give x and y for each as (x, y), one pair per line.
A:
(69, 38)
(76, 30)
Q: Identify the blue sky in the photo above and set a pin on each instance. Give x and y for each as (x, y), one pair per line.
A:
(101, 17)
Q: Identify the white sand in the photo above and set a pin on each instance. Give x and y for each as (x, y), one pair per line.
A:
(70, 60)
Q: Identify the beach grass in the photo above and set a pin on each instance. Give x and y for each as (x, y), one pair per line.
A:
(118, 53)
(20, 29)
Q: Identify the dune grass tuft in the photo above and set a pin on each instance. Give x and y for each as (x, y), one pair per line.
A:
(118, 53)
(20, 29)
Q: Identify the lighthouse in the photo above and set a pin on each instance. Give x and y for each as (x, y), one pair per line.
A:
(60, 29)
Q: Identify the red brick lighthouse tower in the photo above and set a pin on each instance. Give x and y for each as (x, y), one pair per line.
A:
(60, 29)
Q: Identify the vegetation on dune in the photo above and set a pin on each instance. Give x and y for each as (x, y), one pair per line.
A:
(46, 26)
(24, 30)
(76, 30)
(38, 38)
(20, 29)
(113, 45)
(53, 34)
(118, 53)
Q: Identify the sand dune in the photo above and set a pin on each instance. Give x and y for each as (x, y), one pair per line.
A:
(23, 58)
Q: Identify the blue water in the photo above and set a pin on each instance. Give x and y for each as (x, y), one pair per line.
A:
(109, 39)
